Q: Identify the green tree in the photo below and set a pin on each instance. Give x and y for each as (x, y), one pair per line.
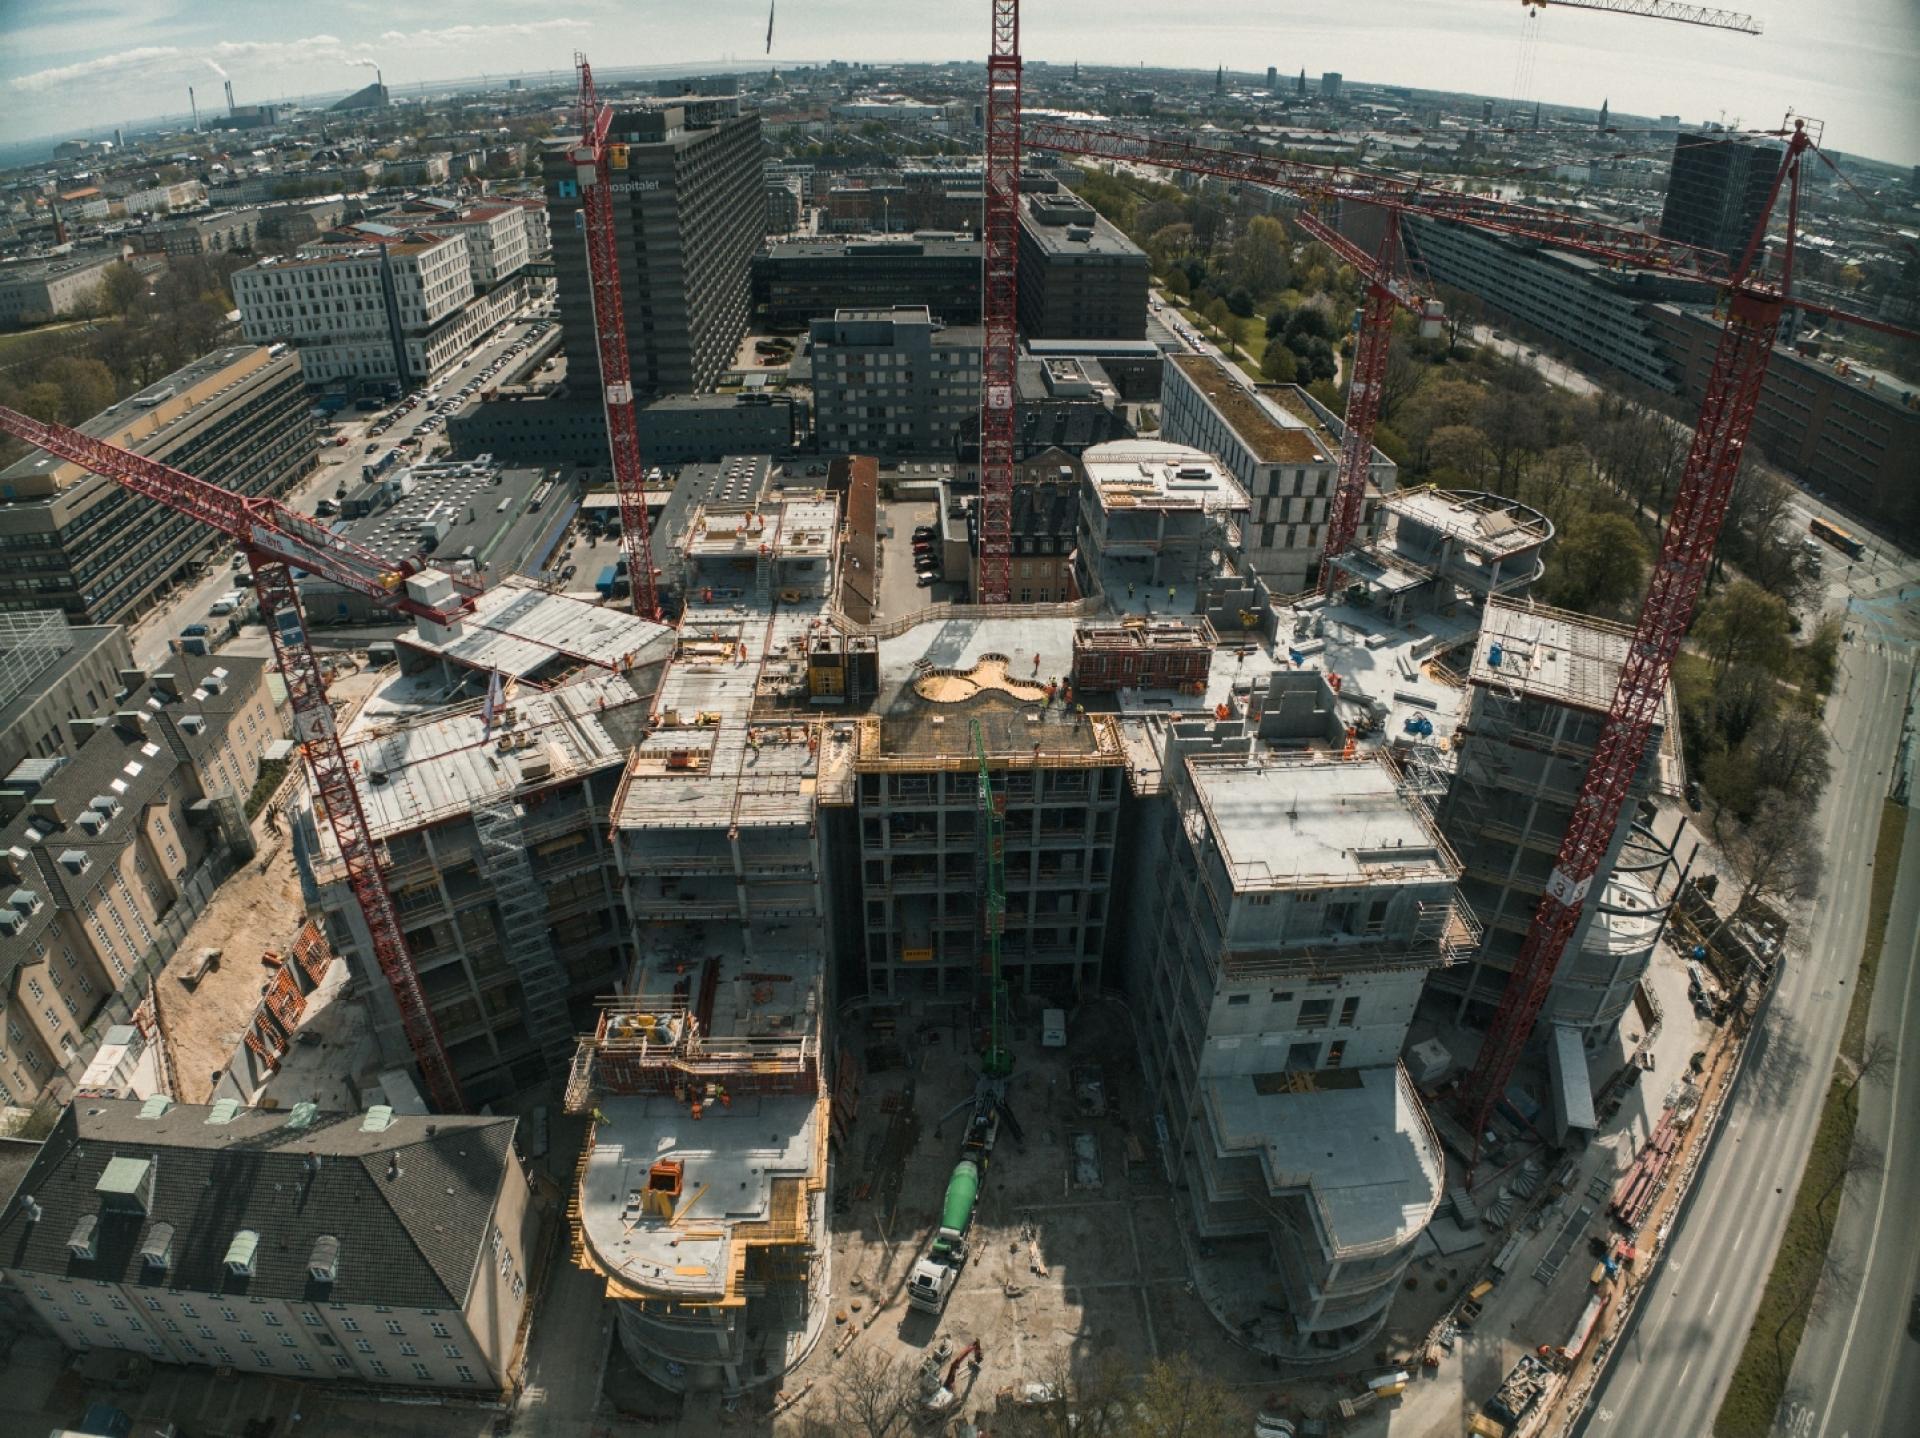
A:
(1261, 258)
(1278, 365)
(120, 286)
(1177, 283)
(1598, 563)
(1218, 314)
(86, 386)
(1743, 624)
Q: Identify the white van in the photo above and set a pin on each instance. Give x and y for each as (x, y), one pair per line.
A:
(1053, 1029)
(227, 602)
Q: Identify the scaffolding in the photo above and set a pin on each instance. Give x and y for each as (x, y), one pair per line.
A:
(652, 1045)
(523, 927)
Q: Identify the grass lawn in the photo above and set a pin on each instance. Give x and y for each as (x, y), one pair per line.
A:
(1760, 1378)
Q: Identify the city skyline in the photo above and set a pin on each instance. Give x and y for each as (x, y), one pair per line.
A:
(1847, 63)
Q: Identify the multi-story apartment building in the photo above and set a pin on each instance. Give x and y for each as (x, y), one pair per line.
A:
(239, 418)
(1045, 527)
(1296, 904)
(388, 1249)
(1849, 431)
(1599, 311)
(923, 845)
(51, 674)
(689, 211)
(109, 849)
(1541, 681)
(1717, 189)
(892, 381)
(47, 289)
(1080, 278)
(498, 863)
(500, 234)
(1281, 446)
(1155, 515)
(395, 308)
(798, 281)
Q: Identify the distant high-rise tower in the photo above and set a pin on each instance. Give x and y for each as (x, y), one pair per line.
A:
(1300, 86)
(689, 211)
(1273, 78)
(1536, 114)
(1330, 85)
(1717, 190)
(1486, 111)
(1603, 114)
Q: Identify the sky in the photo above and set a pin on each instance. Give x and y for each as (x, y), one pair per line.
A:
(67, 64)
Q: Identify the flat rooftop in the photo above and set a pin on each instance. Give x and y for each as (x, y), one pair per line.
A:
(1098, 235)
(518, 627)
(444, 765)
(876, 247)
(1363, 1150)
(1485, 523)
(1301, 823)
(1132, 474)
(484, 507)
(1275, 426)
(1550, 653)
(746, 1165)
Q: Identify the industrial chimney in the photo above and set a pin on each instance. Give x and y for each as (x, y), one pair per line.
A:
(193, 105)
(230, 105)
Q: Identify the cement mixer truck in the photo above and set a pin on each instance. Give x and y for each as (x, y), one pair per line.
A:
(938, 1269)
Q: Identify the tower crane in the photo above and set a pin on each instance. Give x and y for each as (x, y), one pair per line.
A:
(1704, 15)
(277, 541)
(999, 306)
(1754, 303)
(596, 160)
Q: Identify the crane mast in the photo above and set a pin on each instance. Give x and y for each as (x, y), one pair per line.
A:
(595, 162)
(1686, 551)
(999, 355)
(277, 541)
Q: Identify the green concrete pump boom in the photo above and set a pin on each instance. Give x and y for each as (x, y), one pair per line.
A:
(993, 829)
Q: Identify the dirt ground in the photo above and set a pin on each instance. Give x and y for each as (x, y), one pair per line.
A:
(257, 908)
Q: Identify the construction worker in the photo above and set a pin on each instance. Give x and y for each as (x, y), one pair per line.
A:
(1036, 662)
(1170, 596)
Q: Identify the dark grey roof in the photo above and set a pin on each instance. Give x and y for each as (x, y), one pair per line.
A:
(412, 1239)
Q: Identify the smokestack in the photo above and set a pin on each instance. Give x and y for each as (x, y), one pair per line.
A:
(193, 105)
(378, 78)
(230, 106)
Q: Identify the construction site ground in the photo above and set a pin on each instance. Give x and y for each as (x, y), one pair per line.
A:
(258, 907)
(1522, 1312)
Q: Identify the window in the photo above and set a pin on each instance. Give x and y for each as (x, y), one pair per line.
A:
(301, 1361)
(1303, 1058)
(365, 1345)
(1336, 1053)
(351, 1325)
(203, 1330)
(340, 1360)
(186, 1311)
(466, 1373)
(310, 1318)
(452, 1350)
(1315, 1013)
(407, 1350)
(1349, 1012)
(420, 1371)
(286, 1340)
(1280, 996)
(229, 1315)
(393, 1326)
(379, 1369)
(1235, 1001)
(440, 1330)
(272, 1320)
(154, 1304)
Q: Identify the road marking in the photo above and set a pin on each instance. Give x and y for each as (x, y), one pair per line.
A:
(1715, 1304)
(1685, 1371)
(1880, 1203)
(1740, 1239)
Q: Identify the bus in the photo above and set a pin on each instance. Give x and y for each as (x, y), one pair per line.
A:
(1837, 537)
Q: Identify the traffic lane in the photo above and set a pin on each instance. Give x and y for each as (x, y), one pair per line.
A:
(1853, 1357)
(1674, 1369)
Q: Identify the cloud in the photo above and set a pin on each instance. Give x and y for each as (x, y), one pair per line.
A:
(146, 57)
(456, 35)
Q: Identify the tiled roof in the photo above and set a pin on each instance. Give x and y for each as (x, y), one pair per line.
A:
(411, 1205)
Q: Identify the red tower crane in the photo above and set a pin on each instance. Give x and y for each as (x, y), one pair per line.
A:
(277, 541)
(595, 161)
(999, 304)
(1386, 292)
(1755, 305)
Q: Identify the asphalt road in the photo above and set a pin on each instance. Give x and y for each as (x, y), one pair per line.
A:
(1858, 1368)
(191, 604)
(1670, 1376)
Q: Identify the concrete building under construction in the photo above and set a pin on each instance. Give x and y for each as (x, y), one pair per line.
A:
(696, 845)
